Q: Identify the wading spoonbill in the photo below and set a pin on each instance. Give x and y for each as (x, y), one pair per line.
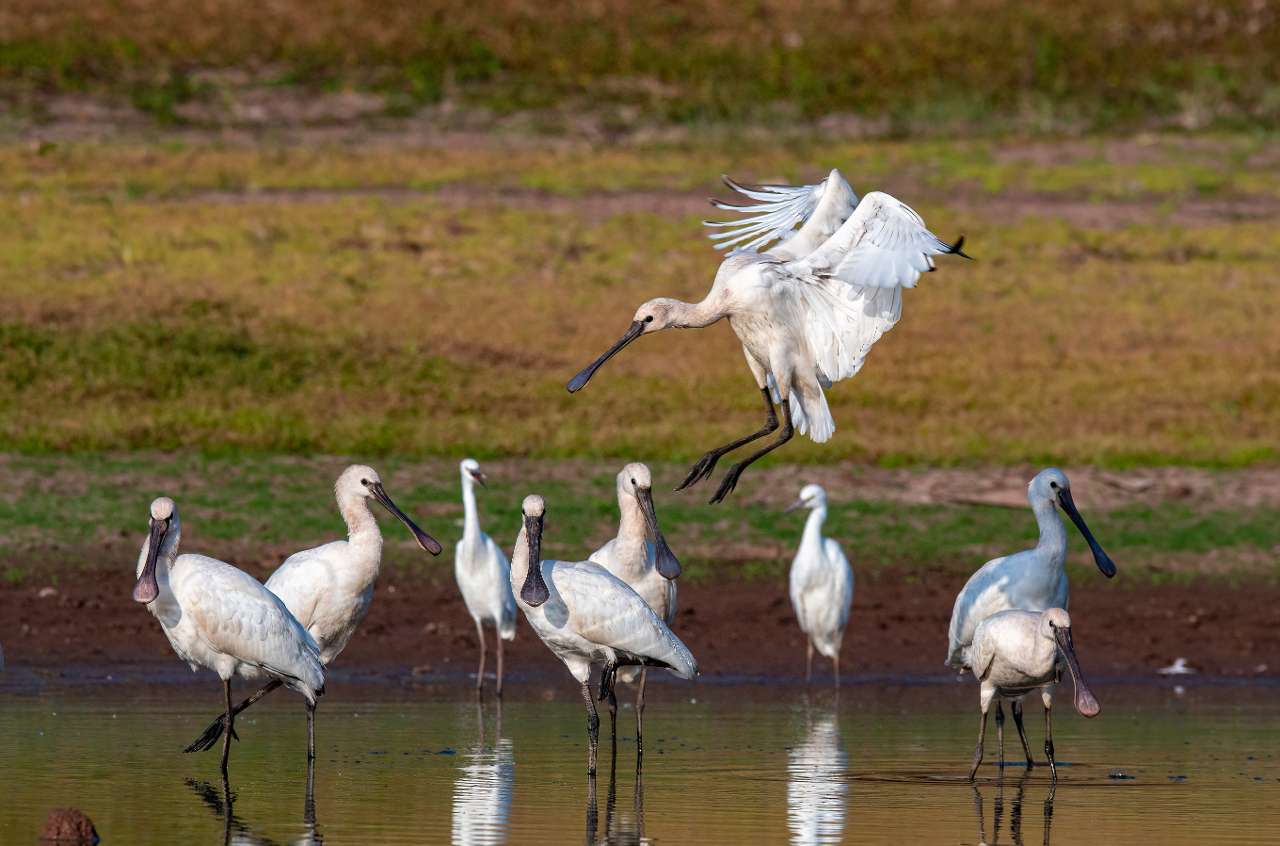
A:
(329, 588)
(1012, 654)
(821, 584)
(808, 309)
(483, 574)
(586, 615)
(640, 556)
(222, 619)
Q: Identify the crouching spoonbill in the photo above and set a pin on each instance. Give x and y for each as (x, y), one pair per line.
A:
(821, 584)
(329, 588)
(483, 574)
(586, 615)
(808, 309)
(1012, 654)
(222, 619)
(640, 556)
(1032, 580)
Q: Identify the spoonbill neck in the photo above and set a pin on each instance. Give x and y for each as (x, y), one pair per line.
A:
(520, 561)
(362, 527)
(1053, 535)
(631, 525)
(700, 314)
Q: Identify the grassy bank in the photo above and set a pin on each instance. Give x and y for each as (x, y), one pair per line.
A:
(920, 66)
(393, 299)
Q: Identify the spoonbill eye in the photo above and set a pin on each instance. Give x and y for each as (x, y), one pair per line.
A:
(648, 318)
(365, 482)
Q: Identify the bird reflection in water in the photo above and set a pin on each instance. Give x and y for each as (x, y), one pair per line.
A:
(482, 793)
(621, 828)
(1015, 813)
(817, 783)
(236, 831)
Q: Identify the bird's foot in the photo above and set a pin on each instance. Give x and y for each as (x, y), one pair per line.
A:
(211, 735)
(727, 484)
(701, 470)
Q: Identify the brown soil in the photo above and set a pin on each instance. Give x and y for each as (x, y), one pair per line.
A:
(736, 628)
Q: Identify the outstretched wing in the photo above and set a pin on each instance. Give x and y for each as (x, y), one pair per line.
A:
(817, 211)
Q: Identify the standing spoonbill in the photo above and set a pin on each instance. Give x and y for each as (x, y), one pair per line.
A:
(483, 574)
(222, 619)
(640, 556)
(1031, 580)
(586, 615)
(1012, 654)
(329, 588)
(821, 584)
(807, 310)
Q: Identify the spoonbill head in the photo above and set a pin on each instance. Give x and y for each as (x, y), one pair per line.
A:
(653, 316)
(1052, 486)
(636, 482)
(163, 524)
(360, 481)
(534, 590)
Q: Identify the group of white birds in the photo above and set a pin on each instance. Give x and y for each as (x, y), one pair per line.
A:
(807, 310)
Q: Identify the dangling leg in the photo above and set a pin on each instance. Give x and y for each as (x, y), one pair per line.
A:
(730, 480)
(209, 738)
(707, 464)
(644, 677)
(499, 638)
(835, 668)
(231, 725)
(480, 672)
(1016, 707)
(808, 662)
(1047, 698)
(311, 732)
(593, 730)
(984, 702)
(1000, 731)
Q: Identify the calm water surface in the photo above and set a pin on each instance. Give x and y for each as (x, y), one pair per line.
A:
(722, 764)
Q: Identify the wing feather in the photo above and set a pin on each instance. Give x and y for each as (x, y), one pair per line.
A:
(779, 211)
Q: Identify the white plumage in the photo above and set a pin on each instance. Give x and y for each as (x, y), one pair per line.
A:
(221, 618)
(1016, 652)
(329, 588)
(586, 615)
(483, 573)
(1031, 580)
(482, 794)
(821, 584)
(806, 310)
(818, 784)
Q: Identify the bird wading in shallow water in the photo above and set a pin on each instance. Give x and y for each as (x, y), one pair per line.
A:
(329, 588)
(821, 584)
(222, 619)
(807, 309)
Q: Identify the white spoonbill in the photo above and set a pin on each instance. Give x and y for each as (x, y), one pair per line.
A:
(1012, 654)
(1031, 580)
(586, 615)
(821, 584)
(221, 618)
(483, 573)
(640, 556)
(807, 310)
(329, 588)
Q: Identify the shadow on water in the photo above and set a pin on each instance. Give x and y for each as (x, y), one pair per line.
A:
(221, 800)
(1015, 812)
(482, 793)
(621, 828)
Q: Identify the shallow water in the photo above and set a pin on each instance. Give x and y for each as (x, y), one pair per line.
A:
(725, 764)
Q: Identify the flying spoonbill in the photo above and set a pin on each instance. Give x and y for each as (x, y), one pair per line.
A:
(808, 309)
(329, 588)
(821, 584)
(222, 619)
(1031, 580)
(483, 573)
(640, 556)
(1012, 654)
(586, 615)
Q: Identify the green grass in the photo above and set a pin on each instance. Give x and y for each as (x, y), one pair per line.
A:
(90, 513)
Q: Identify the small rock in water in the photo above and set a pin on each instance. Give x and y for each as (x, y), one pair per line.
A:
(68, 825)
(1120, 775)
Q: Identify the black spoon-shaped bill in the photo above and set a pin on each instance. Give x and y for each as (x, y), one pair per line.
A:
(1104, 562)
(580, 381)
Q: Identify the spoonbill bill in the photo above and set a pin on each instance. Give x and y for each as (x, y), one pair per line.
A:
(640, 556)
(808, 309)
(586, 615)
(821, 584)
(483, 573)
(329, 588)
(222, 619)
(1012, 654)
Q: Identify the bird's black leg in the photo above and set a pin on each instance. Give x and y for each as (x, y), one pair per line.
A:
(593, 729)
(1048, 742)
(231, 723)
(211, 734)
(977, 753)
(1016, 707)
(644, 677)
(1000, 732)
(730, 480)
(707, 464)
(311, 732)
